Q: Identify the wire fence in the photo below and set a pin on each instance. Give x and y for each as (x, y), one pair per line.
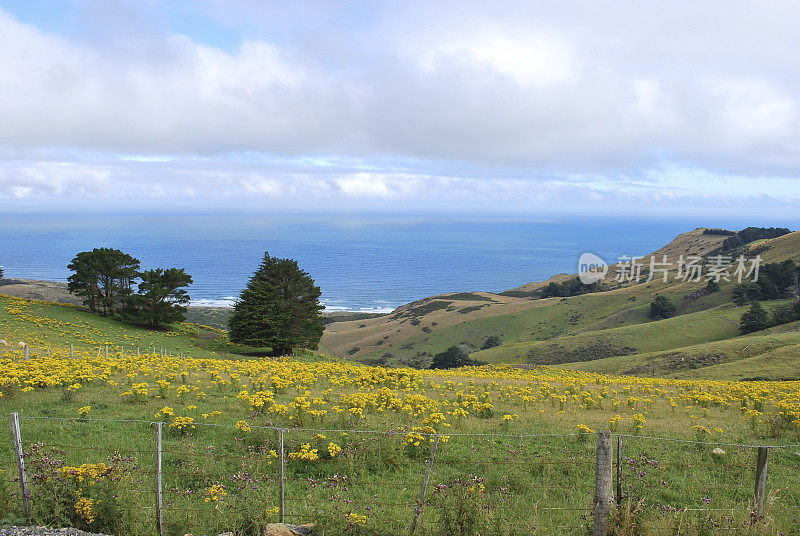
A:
(139, 477)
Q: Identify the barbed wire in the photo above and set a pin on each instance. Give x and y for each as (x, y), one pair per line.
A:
(711, 443)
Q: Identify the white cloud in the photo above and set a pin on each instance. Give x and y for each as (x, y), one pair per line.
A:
(413, 102)
(533, 60)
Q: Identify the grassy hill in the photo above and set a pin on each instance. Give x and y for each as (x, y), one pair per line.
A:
(43, 325)
(610, 326)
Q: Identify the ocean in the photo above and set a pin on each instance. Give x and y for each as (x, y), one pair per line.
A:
(362, 262)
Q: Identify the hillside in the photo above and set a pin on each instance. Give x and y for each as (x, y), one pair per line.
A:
(611, 325)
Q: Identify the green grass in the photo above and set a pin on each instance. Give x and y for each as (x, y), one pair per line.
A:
(44, 324)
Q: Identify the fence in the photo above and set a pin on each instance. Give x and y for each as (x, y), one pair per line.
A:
(207, 479)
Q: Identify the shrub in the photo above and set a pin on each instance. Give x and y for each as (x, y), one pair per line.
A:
(490, 342)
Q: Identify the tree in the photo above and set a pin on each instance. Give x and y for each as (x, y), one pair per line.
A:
(661, 307)
(746, 293)
(783, 314)
(103, 277)
(712, 286)
(160, 297)
(1, 271)
(755, 319)
(279, 308)
(453, 357)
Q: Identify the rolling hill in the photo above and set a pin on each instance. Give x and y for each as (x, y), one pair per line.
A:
(607, 331)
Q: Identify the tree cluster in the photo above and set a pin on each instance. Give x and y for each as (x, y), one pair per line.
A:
(757, 318)
(571, 287)
(775, 281)
(749, 234)
(106, 279)
(719, 232)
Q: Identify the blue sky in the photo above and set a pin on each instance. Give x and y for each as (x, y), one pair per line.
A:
(504, 107)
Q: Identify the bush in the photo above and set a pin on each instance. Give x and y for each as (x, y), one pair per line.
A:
(490, 342)
(661, 307)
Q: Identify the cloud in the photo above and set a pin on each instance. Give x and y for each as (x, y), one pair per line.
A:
(413, 102)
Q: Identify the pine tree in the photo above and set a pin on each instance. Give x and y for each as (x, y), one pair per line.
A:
(279, 309)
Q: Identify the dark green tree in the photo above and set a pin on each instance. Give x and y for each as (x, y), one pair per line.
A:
(453, 357)
(279, 309)
(783, 314)
(160, 298)
(746, 293)
(755, 319)
(103, 277)
(661, 307)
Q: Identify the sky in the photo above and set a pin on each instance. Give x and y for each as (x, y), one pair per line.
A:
(586, 107)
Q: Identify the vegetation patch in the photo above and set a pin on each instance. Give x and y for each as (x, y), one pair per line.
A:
(554, 355)
(468, 296)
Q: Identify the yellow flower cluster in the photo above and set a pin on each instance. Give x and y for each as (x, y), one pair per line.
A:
(215, 493)
(355, 519)
(243, 426)
(306, 453)
(84, 507)
(182, 424)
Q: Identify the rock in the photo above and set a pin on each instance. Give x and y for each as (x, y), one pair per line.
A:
(282, 529)
(718, 452)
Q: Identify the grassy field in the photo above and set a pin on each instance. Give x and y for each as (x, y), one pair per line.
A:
(515, 447)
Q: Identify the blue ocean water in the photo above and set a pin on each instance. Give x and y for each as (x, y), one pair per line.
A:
(361, 262)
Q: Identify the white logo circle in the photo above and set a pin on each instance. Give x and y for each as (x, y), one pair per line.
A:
(591, 268)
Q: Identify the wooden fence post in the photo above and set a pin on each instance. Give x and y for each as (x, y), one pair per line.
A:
(619, 470)
(418, 507)
(159, 486)
(23, 482)
(761, 480)
(603, 496)
(27, 352)
(106, 352)
(70, 351)
(281, 461)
